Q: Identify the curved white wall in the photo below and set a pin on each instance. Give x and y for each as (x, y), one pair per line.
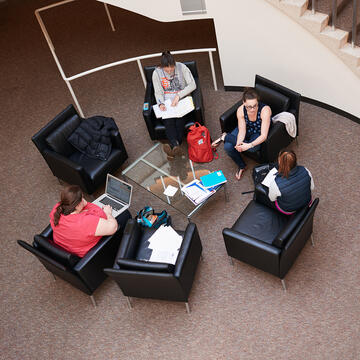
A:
(255, 38)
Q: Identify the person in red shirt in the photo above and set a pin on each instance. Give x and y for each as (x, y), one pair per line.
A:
(78, 225)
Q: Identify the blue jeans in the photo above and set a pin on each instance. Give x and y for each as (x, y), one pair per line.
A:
(230, 142)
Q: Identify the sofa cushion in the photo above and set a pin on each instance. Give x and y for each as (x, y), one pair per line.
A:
(57, 140)
(137, 265)
(260, 222)
(55, 251)
(277, 101)
(286, 232)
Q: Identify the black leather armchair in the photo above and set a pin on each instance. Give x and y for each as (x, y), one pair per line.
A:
(280, 99)
(85, 273)
(143, 279)
(267, 239)
(69, 164)
(155, 126)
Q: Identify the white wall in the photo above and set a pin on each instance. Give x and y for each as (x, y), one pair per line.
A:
(255, 38)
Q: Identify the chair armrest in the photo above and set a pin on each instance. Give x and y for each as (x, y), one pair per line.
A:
(198, 103)
(277, 139)
(261, 196)
(117, 141)
(149, 114)
(90, 267)
(197, 96)
(228, 120)
(252, 251)
(47, 232)
(129, 241)
(189, 253)
(297, 240)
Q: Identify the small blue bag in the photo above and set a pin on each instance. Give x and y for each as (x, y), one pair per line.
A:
(147, 217)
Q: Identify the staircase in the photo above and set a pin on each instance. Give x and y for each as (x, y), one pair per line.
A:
(319, 23)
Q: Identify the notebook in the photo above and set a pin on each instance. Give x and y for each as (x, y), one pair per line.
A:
(117, 195)
(212, 179)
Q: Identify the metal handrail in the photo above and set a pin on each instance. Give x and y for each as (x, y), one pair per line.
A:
(313, 7)
(116, 63)
(334, 13)
(354, 24)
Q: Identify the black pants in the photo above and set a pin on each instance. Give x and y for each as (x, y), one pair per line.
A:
(174, 130)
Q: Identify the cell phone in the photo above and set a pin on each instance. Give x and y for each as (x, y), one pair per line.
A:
(146, 106)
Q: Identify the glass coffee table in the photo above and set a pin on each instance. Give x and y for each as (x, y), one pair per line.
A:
(154, 172)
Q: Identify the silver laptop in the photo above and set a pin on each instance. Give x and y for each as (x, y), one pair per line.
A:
(117, 195)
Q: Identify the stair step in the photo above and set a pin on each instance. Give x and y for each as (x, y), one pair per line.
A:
(335, 38)
(351, 54)
(315, 22)
(295, 7)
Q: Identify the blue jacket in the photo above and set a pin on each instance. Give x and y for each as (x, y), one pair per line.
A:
(294, 192)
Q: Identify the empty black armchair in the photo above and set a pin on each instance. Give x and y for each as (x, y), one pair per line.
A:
(267, 239)
(69, 164)
(85, 273)
(280, 99)
(144, 279)
(155, 126)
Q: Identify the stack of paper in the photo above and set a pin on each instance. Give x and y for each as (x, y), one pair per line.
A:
(196, 192)
(183, 107)
(165, 244)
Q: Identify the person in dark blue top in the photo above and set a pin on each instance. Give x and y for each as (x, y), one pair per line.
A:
(254, 120)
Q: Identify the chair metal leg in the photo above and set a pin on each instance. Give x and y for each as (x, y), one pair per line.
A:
(231, 261)
(312, 240)
(53, 276)
(297, 141)
(129, 302)
(201, 257)
(283, 284)
(93, 300)
(187, 307)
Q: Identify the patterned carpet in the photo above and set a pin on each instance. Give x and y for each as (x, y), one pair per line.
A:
(238, 312)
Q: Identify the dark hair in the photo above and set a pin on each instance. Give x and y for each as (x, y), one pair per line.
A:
(250, 94)
(287, 161)
(71, 197)
(167, 59)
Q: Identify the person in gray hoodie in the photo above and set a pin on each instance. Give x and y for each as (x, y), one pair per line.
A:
(172, 80)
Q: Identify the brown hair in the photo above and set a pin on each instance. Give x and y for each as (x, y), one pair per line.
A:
(250, 94)
(71, 197)
(287, 161)
(167, 59)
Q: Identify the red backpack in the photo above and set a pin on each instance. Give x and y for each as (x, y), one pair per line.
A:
(199, 143)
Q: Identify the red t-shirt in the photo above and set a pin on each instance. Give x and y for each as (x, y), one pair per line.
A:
(76, 232)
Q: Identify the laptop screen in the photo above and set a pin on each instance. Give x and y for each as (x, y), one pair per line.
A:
(118, 189)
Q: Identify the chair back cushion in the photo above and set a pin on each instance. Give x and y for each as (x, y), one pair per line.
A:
(57, 140)
(294, 220)
(137, 265)
(55, 252)
(277, 101)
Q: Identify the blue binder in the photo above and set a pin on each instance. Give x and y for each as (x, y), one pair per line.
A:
(213, 179)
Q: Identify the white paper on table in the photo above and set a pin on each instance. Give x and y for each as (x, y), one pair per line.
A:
(170, 190)
(270, 177)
